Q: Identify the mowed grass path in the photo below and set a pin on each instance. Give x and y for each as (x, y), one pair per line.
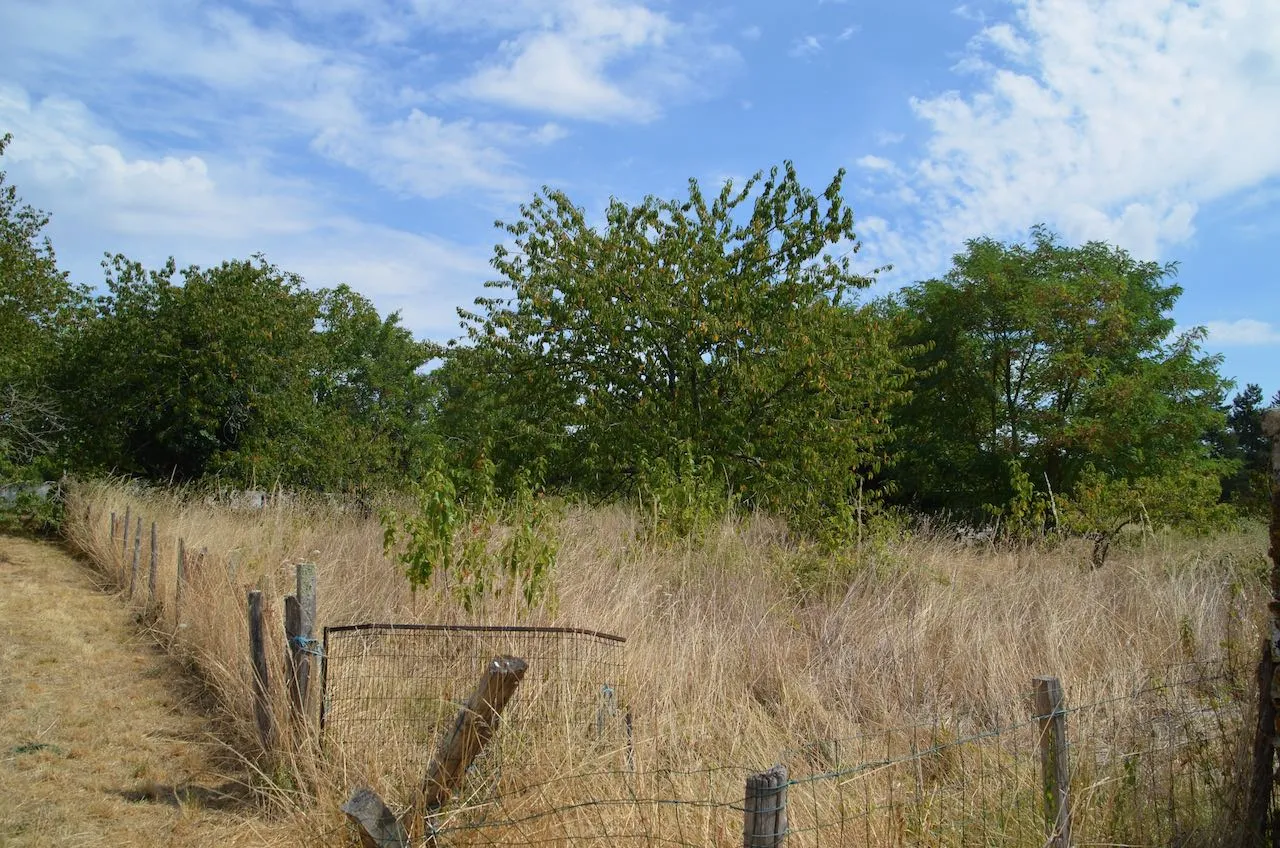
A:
(102, 738)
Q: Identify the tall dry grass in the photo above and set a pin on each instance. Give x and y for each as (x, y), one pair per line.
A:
(728, 662)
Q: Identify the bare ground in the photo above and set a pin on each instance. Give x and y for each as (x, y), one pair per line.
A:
(103, 739)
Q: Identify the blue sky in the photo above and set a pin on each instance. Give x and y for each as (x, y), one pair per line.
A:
(374, 142)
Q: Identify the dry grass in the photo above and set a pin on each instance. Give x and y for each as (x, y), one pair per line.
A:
(726, 664)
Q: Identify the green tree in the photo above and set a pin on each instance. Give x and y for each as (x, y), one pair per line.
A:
(1043, 361)
(372, 394)
(720, 327)
(39, 305)
(1242, 442)
(213, 375)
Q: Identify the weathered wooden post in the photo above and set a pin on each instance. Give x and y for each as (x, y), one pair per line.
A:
(472, 730)
(113, 532)
(299, 628)
(153, 568)
(137, 554)
(258, 661)
(178, 583)
(124, 544)
(1051, 711)
(764, 809)
(1260, 823)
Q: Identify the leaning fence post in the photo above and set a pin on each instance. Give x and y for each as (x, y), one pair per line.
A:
(472, 730)
(1050, 710)
(1267, 736)
(258, 660)
(154, 567)
(764, 809)
(137, 554)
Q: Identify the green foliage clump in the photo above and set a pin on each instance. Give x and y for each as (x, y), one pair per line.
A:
(722, 326)
(686, 500)
(1101, 507)
(479, 545)
(1053, 359)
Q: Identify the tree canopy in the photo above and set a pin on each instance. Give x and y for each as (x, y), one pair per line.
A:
(722, 327)
(1047, 363)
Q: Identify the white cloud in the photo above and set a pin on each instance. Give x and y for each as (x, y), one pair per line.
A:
(203, 209)
(1107, 120)
(848, 33)
(599, 60)
(429, 157)
(1245, 331)
(876, 163)
(805, 47)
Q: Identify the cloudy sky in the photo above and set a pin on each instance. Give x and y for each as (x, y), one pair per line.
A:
(374, 142)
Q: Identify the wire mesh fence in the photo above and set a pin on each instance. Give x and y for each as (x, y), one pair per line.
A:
(1154, 760)
(391, 691)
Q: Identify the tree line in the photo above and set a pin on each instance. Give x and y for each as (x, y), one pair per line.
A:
(716, 349)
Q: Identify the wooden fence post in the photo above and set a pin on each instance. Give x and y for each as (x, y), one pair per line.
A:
(1260, 821)
(113, 532)
(177, 585)
(764, 809)
(137, 554)
(124, 544)
(154, 567)
(258, 661)
(1050, 710)
(299, 627)
(475, 725)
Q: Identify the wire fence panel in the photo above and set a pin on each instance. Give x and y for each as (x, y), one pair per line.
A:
(391, 692)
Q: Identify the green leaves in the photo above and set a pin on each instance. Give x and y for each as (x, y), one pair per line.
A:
(478, 547)
(1049, 360)
(715, 325)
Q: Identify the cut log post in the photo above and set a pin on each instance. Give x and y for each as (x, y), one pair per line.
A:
(474, 727)
(764, 809)
(1050, 711)
(137, 555)
(379, 827)
(304, 645)
(154, 567)
(258, 661)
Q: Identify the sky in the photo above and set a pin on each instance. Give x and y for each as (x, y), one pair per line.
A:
(376, 142)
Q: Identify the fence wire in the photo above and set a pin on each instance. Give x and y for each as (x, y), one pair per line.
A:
(390, 692)
(1156, 762)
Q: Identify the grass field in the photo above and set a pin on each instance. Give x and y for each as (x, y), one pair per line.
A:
(742, 649)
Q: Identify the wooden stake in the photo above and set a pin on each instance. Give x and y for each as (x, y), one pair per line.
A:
(124, 545)
(137, 554)
(177, 586)
(1050, 710)
(472, 730)
(155, 566)
(379, 827)
(258, 661)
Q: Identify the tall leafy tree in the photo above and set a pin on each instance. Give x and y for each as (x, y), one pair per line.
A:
(723, 327)
(1045, 363)
(372, 394)
(211, 374)
(1245, 445)
(39, 305)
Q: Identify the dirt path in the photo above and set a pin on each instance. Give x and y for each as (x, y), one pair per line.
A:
(99, 742)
